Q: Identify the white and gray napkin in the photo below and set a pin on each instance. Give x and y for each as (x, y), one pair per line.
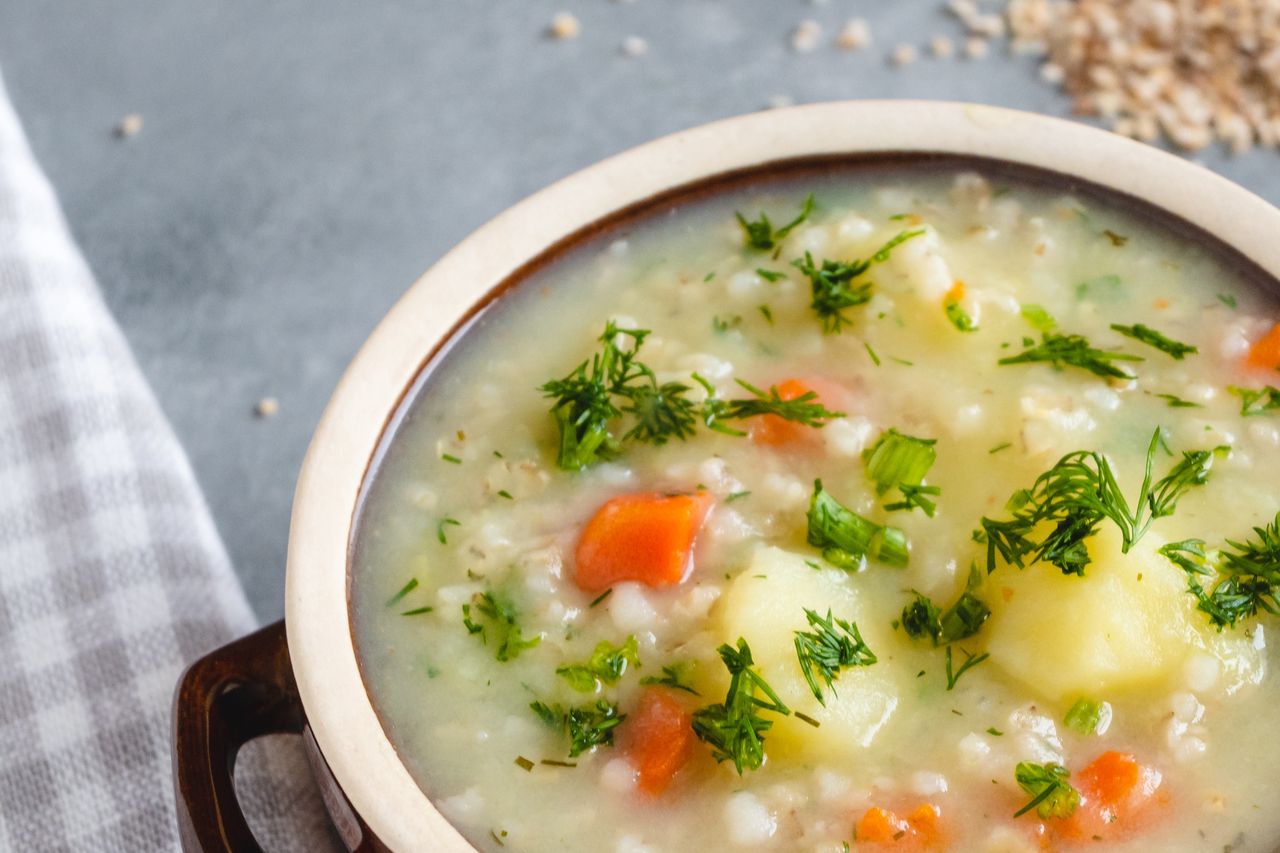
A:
(112, 576)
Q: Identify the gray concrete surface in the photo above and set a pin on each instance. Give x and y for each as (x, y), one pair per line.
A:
(302, 161)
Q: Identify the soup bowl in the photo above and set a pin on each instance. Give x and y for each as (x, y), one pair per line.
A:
(304, 675)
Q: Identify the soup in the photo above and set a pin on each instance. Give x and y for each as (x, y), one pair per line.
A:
(882, 509)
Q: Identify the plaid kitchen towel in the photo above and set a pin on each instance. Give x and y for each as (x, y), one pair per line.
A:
(112, 576)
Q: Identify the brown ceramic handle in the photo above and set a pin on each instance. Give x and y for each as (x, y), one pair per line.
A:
(242, 691)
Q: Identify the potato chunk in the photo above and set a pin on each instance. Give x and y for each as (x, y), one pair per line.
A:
(766, 604)
(1128, 622)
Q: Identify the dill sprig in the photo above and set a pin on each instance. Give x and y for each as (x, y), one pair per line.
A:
(1258, 401)
(833, 646)
(838, 285)
(673, 676)
(922, 618)
(588, 726)
(615, 383)
(761, 235)
(1246, 575)
(970, 661)
(1073, 351)
(1052, 796)
(1075, 496)
(735, 728)
(1149, 336)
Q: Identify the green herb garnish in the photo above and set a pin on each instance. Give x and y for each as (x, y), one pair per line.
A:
(673, 676)
(588, 726)
(1176, 402)
(846, 537)
(496, 619)
(836, 286)
(735, 728)
(1110, 282)
(760, 234)
(1149, 336)
(1256, 401)
(766, 312)
(970, 661)
(1073, 351)
(1052, 796)
(1075, 496)
(959, 317)
(404, 590)
(445, 522)
(615, 383)
(1227, 299)
(1038, 317)
(417, 611)
(770, 275)
(1085, 716)
(875, 359)
(1117, 240)
(1247, 575)
(922, 618)
(833, 646)
(902, 461)
(1002, 446)
(607, 664)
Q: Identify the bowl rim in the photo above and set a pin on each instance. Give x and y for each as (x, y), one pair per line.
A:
(340, 713)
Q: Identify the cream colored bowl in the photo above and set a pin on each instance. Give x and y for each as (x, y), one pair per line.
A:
(348, 731)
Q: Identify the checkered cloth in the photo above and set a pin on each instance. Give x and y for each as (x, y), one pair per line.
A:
(112, 576)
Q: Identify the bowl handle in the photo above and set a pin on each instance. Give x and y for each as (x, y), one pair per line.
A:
(242, 691)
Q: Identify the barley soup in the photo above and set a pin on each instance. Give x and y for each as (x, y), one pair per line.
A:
(887, 510)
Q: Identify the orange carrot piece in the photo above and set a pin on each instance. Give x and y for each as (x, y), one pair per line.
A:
(918, 831)
(658, 738)
(1116, 793)
(775, 431)
(1265, 354)
(641, 537)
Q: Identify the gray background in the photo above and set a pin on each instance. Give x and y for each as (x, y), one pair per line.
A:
(302, 161)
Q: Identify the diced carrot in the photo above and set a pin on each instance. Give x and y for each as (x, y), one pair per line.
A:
(641, 537)
(956, 293)
(918, 831)
(1265, 354)
(658, 738)
(1116, 796)
(775, 431)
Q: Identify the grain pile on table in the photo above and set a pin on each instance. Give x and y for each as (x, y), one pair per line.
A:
(1193, 70)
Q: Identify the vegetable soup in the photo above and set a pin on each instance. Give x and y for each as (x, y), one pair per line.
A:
(905, 508)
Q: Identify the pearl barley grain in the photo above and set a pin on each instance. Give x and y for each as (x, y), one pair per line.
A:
(634, 47)
(854, 35)
(564, 26)
(806, 37)
(129, 126)
(267, 407)
(904, 54)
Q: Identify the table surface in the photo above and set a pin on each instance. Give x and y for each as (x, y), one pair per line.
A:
(301, 162)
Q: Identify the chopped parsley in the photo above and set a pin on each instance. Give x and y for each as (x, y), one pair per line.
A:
(834, 645)
(839, 285)
(607, 664)
(1149, 336)
(1256, 401)
(846, 538)
(1247, 575)
(588, 726)
(970, 661)
(496, 619)
(902, 461)
(761, 235)
(735, 728)
(1073, 351)
(721, 326)
(673, 676)
(1086, 715)
(766, 312)
(770, 275)
(1052, 796)
(1075, 496)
